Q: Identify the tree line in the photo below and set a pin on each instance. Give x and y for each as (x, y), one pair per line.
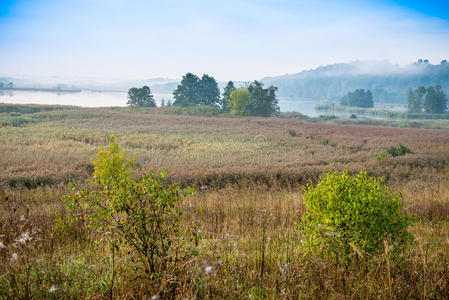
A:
(251, 100)
(430, 100)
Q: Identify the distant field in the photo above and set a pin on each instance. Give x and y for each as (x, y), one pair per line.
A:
(249, 173)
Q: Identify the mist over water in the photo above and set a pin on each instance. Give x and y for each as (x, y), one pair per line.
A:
(83, 98)
(104, 99)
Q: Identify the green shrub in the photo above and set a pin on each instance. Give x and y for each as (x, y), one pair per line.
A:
(352, 215)
(399, 151)
(141, 215)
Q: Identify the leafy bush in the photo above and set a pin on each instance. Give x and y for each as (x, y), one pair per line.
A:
(399, 151)
(142, 215)
(349, 215)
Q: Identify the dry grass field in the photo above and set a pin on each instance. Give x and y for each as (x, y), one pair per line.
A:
(249, 174)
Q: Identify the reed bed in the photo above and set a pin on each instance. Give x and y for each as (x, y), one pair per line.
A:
(244, 210)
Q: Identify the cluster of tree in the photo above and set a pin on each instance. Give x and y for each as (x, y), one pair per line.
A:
(358, 98)
(195, 91)
(252, 101)
(141, 97)
(431, 100)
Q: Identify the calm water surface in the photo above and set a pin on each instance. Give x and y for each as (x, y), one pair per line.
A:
(100, 99)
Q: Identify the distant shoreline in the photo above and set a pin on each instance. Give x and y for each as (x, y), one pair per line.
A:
(40, 90)
(381, 112)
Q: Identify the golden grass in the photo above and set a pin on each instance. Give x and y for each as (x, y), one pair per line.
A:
(59, 147)
(244, 211)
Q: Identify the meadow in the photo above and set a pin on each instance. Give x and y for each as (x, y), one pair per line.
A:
(248, 172)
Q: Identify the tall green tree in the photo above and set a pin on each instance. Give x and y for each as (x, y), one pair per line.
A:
(141, 97)
(419, 98)
(436, 100)
(208, 91)
(227, 90)
(194, 91)
(264, 102)
(187, 93)
(416, 99)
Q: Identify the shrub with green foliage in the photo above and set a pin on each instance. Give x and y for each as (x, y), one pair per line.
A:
(137, 214)
(400, 150)
(352, 215)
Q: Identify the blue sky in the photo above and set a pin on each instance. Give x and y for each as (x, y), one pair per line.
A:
(240, 40)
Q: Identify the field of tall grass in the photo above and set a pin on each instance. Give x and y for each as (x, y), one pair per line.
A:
(249, 174)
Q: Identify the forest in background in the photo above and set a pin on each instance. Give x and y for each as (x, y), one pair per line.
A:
(389, 83)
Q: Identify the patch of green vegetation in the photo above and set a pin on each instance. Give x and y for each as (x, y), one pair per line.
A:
(14, 120)
(349, 216)
(400, 150)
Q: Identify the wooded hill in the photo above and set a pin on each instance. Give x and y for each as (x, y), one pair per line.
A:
(388, 82)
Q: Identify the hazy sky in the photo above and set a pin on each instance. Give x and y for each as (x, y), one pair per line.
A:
(241, 40)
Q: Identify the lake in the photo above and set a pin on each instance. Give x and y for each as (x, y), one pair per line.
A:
(101, 99)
